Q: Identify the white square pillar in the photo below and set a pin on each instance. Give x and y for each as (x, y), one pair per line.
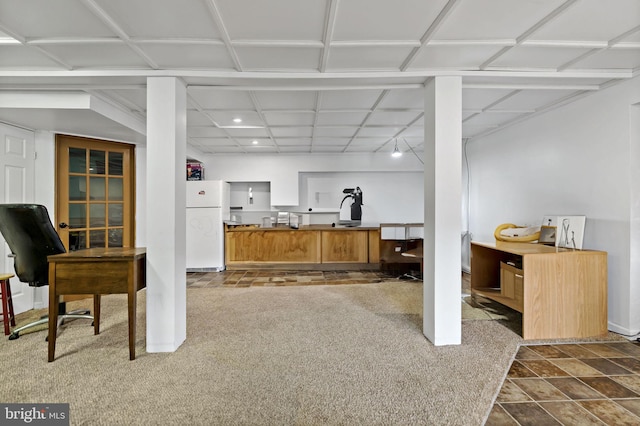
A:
(442, 316)
(166, 213)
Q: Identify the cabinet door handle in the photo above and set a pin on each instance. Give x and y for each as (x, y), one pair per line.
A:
(519, 276)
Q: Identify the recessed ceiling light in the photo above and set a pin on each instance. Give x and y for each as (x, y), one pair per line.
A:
(237, 120)
(255, 142)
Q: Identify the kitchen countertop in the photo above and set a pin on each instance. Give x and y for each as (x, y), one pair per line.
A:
(243, 227)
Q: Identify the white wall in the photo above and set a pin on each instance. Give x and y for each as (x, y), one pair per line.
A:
(392, 187)
(282, 170)
(575, 160)
(386, 196)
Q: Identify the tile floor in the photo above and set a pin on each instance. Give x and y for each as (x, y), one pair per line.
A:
(267, 277)
(560, 384)
(571, 384)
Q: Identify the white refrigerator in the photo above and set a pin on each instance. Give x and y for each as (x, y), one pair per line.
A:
(207, 209)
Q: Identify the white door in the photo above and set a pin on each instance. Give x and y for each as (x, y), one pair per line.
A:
(17, 163)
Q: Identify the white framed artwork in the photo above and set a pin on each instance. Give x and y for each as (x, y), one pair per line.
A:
(569, 230)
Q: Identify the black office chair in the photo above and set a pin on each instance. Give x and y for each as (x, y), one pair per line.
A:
(31, 237)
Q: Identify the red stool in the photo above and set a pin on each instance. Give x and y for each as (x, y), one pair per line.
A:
(7, 302)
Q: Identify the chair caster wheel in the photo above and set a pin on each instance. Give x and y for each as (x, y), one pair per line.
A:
(14, 336)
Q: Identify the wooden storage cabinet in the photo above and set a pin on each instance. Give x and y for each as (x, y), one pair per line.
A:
(561, 293)
(512, 286)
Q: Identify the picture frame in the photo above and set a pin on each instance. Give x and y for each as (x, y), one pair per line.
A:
(547, 235)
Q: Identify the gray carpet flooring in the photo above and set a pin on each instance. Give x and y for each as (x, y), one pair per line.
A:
(310, 355)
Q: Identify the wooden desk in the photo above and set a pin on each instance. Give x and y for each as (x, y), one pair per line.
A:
(561, 293)
(96, 271)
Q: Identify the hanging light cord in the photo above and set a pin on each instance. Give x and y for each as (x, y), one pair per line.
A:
(414, 153)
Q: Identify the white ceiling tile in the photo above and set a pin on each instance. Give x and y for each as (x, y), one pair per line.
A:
(393, 118)
(369, 142)
(330, 141)
(343, 131)
(271, 38)
(196, 118)
(466, 114)
(632, 38)
(491, 118)
(359, 99)
(403, 98)
(293, 141)
(274, 118)
(611, 59)
(279, 58)
(530, 81)
(414, 142)
(358, 148)
(205, 131)
(89, 55)
(228, 150)
(213, 141)
(385, 20)
(248, 133)
(255, 149)
(298, 132)
(295, 149)
(341, 118)
(289, 100)
(225, 118)
(472, 131)
(249, 142)
(379, 131)
(272, 20)
(45, 18)
(537, 57)
(15, 56)
(493, 19)
(136, 97)
(365, 58)
(166, 19)
(532, 99)
(413, 132)
(211, 98)
(194, 56)
(475, 99)
(453, 56)
(327, 148)
(592, 20)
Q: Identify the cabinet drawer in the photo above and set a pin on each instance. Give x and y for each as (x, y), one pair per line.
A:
(511, 283)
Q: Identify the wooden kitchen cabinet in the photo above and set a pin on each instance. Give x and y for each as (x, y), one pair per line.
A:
(293, 246)
(345, 246)
(253, 246)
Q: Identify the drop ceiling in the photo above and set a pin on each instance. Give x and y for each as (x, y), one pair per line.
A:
(307, 76)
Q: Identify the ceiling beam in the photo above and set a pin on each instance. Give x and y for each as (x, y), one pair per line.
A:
(524, 36)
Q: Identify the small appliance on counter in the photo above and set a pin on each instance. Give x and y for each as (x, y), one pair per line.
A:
(355, 216)
(294, 221)
(283, 218)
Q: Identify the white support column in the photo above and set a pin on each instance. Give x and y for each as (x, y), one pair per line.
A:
(166, 213)
(442, 319)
